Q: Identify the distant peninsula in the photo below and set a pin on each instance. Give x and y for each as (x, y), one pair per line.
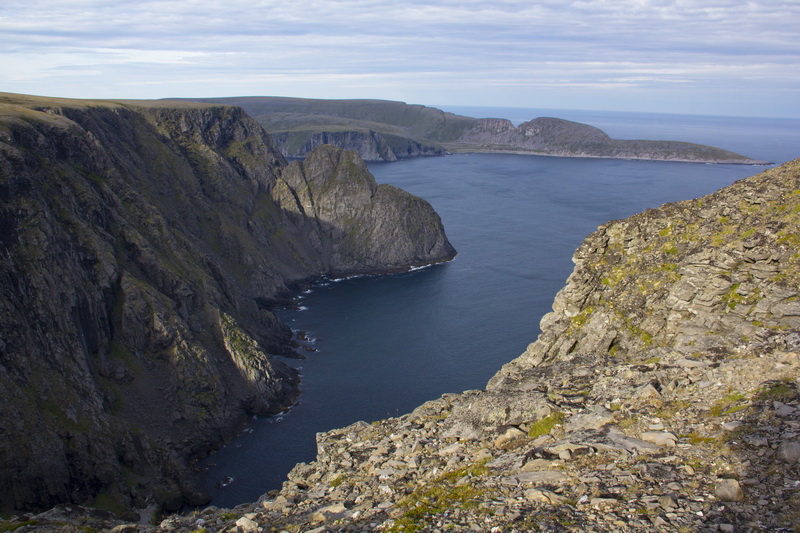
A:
(382, 130)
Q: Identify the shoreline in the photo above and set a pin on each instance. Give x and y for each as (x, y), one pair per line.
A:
(751, 162)
(294, 348)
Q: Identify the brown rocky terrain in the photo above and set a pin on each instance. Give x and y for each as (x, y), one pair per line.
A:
(142, 245)
(663, 394)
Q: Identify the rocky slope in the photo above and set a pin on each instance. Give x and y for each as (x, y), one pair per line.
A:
(141, 247)
(663, 394)
(382, 130)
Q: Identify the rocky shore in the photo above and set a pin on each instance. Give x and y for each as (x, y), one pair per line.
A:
(663, 394)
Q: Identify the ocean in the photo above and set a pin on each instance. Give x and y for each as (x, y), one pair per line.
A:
(387, 344)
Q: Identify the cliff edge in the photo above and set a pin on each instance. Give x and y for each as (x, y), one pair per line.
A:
(141, 247)
(663, 394)
(382, 130)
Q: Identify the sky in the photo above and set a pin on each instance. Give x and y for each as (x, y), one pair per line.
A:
(713, 57)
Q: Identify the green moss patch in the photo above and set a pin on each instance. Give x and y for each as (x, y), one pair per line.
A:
(545, 425)
(451, 490)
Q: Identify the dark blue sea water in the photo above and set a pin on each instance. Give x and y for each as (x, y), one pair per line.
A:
(387, 344)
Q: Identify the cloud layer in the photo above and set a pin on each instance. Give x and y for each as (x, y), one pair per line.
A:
(713, 56)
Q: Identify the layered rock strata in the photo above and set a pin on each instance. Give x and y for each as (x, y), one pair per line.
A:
(141, 247)
(663, 394)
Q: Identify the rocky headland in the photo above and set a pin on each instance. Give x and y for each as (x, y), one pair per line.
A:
(662, 394)
(381, 130)
(563, 138)
(142, 246)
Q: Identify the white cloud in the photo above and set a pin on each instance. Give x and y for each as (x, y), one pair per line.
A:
(92, 46)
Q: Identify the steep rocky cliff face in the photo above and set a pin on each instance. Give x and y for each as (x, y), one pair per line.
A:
(357, 225)
(369, 145)
(141, 245)
(663, 394)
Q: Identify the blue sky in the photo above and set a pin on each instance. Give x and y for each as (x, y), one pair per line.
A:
(722, 57)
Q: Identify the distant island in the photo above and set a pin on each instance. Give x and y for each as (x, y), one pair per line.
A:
(382, 130)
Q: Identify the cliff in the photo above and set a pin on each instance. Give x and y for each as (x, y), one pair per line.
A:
(141, 246)
(358, 227)
(564, 138)
(663, 394)
(382, 130)
(370, 145)
(379, 130)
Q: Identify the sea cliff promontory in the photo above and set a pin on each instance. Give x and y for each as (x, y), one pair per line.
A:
(663, 394)
(142, 247)
(382, 130)
(564, 138)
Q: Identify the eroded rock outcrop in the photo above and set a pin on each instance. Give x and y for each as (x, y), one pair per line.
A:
(141, 244)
